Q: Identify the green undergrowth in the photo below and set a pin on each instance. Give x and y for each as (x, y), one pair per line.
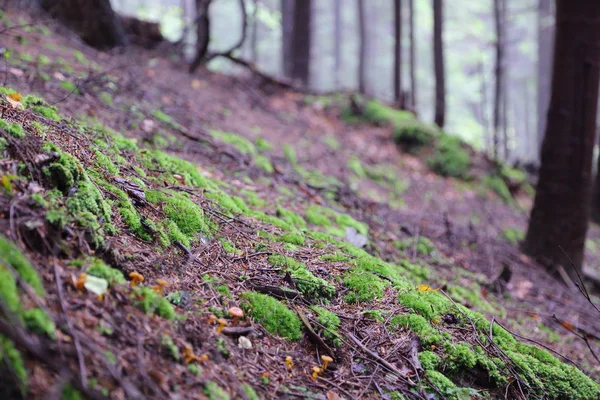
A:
(113, 190)
(245, 146)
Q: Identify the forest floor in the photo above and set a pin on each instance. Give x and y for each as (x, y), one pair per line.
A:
(237, 192)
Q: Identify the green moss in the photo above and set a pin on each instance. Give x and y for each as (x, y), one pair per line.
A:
(242, 144)
(363, 286)
(263, 144)
(214, 391)
(295, 238)
(460, 357)
(355, 166)
(374, 112)
(443, 384)
(450, 158)
(419, 325)
(253, 199)
(64, 173)
(412, 134)
(39, 322)
(250, 392)
(166, 119)
(13, 256)
(330, 322)
(310, 285)
(264, 163)
(337, 257)
(167, 343)
(347, 221)
(3, 144)
(424, 246)
(194, 369)
(429, 360)
(148, 301)
(106, 98)
(331, 142)
(70, 393)
(156, 159)
(13, 129)
(12, 357)
(187, 215)
(427, 304)
(8, 290)
(314, 215)
(290, 154)
(99, 269)
(291, 218)
(274, 316)
(496, 184)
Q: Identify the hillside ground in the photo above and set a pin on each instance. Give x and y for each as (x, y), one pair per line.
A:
(399, 259)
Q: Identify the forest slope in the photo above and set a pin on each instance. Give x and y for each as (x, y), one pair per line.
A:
(133, 219)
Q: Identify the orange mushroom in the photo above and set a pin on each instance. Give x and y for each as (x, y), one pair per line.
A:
(212, 319)
(316, 372)
(289, 363)
(326, 360)
(236, 313)
(188, 354)
(222, 322)
(136, 278)
(160, 286)
(80, 282)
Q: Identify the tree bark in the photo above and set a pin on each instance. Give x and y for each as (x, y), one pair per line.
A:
(545, 33)
(93, 20)
(362, 56)
(254, 34)
(301, 40)
(398, 53)
(287, 24)
(337, 55)
(559, 218)
(499, 74)
(438, 56)
(413, 45)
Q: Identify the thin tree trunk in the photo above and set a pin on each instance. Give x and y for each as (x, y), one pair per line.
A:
(545, 32)
(202, 33)
(398, 53)
(413, 45)
(301, 39)
(438, 55)
(337, 13)
(484, 106)
(362, 47)
(559, 219)
(499, 75)
(287, 24)
(254, 35)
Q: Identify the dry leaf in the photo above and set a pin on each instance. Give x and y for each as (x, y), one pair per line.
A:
(426, 288)
(197, 84)
(15, 100)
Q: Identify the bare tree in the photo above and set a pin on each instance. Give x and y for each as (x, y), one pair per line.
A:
(559, 218)
(254, 33)
(202, 33)
(287, 26)
(499, 74)
(337, 55)
(438, 56)
(398, 53)
(301, 41)
(93, 20)
(413, 45)
(545, 33)
(362, 47)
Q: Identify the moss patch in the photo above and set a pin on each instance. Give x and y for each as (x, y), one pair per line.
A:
(273, 315)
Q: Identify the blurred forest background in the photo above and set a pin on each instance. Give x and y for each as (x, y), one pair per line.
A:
(470, 46)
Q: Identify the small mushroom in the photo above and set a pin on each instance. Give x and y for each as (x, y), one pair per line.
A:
(160, 286)
(80, 282)
(236, 313)
(136, 278)
(188, 354)
(212, 319)
(222, 322)
(326, 361)
(289, 363)
(316, 372)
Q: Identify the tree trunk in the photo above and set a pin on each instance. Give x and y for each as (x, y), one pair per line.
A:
(301, 39)
(559, 218)
(287, 24)
(398, 54)
(545, 32)
(438, 55)
(413, 44)
(93, 20)
(362, 56)
(254, 34)
(337, 55)
(499, 74)
(202, 33)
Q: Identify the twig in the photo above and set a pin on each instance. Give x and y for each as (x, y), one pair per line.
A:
(581, 288)
(266, 253)
(82, 370)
